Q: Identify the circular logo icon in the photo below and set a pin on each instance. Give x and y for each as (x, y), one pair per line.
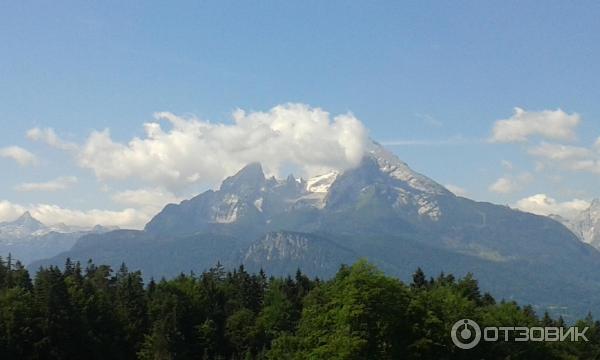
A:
(466, 334)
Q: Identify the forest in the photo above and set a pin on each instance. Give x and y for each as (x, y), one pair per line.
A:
(92, 312)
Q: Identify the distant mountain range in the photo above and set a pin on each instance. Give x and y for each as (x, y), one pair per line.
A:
(27, 239)
(381, 210)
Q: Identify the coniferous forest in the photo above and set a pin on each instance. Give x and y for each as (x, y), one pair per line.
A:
(92, 312)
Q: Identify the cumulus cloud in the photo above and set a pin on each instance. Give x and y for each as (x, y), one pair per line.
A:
(18, 154)
(542, 204)
(549, 124)
(457, 190)
(503, 186)
(573, 158)
(150, 200)
(9, 211)
(191, 150)
(57, 184)
(510, 184)
(49, 136)
(559, 152)
(53, 214)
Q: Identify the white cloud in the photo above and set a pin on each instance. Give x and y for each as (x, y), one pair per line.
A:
(550, 124)
(57, 184)
(510, 184)
(457, 190)
(542, 204)
(193, 150)
(53, 214)
(503, 186)
(49, 137)
(573, 158)
(150, 200)
(559, 152)
(9, 212)
(18, 154)
(555, 125)
(587, 165)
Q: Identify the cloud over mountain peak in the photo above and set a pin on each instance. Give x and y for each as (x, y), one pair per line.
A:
(191, 150)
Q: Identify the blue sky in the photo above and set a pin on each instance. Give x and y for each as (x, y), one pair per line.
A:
(430, 77)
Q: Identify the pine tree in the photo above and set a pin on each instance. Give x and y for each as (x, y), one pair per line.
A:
(418, 279)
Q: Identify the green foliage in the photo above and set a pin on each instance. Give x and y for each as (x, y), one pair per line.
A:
(358, 314)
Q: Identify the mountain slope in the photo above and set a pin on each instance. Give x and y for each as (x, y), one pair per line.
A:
(381, 210)
(157, 257)
(285, 252)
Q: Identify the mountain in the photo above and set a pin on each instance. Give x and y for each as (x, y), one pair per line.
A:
(381, 210)
(586, 225)
(284, 252)
(245, 205)
(28, 240)
(25, 225)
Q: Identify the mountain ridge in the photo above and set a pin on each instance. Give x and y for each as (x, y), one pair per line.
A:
(28, 239)
(381, 210)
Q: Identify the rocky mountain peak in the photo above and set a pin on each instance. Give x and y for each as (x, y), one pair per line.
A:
(29, 222)
(381, 181)
(250, 177)
(391, 165)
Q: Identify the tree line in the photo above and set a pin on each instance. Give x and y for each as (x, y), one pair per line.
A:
(92, 312)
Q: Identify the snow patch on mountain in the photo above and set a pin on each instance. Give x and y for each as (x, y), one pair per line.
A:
(321, 183)
(227, 211)
(258, 204)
